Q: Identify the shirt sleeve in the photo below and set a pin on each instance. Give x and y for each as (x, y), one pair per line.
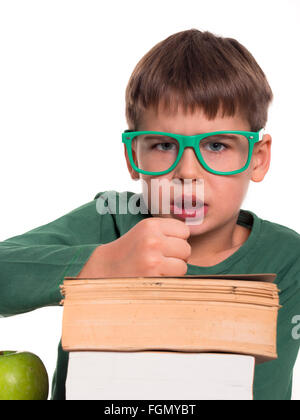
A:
(34, 264)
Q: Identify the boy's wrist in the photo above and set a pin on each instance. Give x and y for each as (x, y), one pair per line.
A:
(96, 266)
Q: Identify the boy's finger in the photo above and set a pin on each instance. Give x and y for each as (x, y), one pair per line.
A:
(174, 227)
(173, 267)
(176, 248)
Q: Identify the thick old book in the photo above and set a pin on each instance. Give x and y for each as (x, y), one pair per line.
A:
(234, 314)
(159, 375)
(160, 338)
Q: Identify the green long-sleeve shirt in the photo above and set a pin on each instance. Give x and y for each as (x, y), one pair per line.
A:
(34, 264)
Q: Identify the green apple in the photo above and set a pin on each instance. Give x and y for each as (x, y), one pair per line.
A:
(23, 376)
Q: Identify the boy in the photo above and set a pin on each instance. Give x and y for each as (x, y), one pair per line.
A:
(189, 84)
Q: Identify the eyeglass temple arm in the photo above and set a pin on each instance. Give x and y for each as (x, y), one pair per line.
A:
(261, 133)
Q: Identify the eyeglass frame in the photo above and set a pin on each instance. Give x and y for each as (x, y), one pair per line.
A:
(192, 141)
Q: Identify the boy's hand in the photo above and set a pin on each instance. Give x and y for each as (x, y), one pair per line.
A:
(153, 247)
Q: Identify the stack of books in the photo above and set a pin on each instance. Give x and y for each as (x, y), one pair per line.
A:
(186, 337)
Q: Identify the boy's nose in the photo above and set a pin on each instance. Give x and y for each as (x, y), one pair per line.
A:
(189, 166)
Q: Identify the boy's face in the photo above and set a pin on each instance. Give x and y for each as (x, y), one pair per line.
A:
(223, 194)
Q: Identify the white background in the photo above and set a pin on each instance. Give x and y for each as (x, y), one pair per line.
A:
(63, 72)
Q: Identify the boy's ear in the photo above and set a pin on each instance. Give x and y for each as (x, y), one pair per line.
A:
(261, 158)
(134, 175)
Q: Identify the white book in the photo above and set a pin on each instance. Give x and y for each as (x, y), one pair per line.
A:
(159, 375)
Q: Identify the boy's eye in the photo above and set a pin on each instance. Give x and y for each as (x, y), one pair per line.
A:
(164, 146)
(216, 147)
(220, 143)
(156, 143)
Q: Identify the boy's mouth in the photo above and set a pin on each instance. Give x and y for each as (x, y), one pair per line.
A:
(188, 207)
(188, 202)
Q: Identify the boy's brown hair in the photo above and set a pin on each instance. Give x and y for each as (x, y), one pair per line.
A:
(197, 69)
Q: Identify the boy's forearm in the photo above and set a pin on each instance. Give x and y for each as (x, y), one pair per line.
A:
(30, 275)
(33, 265)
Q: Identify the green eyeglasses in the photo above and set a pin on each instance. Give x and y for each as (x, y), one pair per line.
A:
(219, 152)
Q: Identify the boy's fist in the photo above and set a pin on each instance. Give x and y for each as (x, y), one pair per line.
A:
(153, 247)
